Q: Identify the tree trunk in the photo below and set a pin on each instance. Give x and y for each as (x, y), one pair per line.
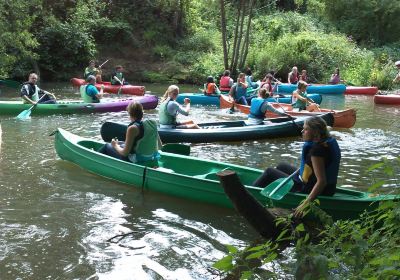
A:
(223, 32)
(259, 217)
(235, 41)
(242, 8)
(245, 47)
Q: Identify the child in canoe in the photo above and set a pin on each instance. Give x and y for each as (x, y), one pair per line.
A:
(211, 88)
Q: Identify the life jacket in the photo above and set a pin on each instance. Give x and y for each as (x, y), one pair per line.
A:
(255, 108)
(166, 118)
(335, 79)
(210, 88)
(145, 146)
(224, 83)
(331, 169)
(35, 95)
(293, 79)
(86, 97)
(240, 91)
(297, 103)
(267, 85)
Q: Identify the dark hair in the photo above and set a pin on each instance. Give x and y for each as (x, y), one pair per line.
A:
(118, 67)
(301, 84)
(337, 70)
(210, 79)
(92, 61)
(227, 73)
(263, 92)
(135, 110)
(248, 71)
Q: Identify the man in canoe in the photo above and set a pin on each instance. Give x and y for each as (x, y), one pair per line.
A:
(259, 106)
(226, 82)
(141, 141)
(31, 93)
(319, 167)
(169, 109)
(397, 78)
(293, 76)
(91, 70)
(89, 92)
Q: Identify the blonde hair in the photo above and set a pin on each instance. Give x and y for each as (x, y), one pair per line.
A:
(172, 89)
(263, 92)
(135, 110)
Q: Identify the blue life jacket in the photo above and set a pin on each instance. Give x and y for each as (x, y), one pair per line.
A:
(255, 108)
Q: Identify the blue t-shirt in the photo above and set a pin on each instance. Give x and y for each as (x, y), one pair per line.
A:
(92, 91)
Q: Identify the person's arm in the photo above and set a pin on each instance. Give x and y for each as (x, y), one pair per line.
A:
(268, 107)
(131, 133)
(318, 164)
(173, 108)
(25, 95)
(100, 94)
(288, 79)
(41, 92)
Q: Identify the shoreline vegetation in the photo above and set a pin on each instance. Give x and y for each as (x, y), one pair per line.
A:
(186, 41)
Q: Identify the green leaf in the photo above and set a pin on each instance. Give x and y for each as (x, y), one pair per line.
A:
(375, 166)
(224, 264)
(300, 227)
(376, 185)
(231, 249)
(255, 255)
(281, 235)
(246, 275)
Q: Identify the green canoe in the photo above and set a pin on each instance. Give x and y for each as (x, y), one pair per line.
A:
(181, 176)
(344, 204)
(195, 179)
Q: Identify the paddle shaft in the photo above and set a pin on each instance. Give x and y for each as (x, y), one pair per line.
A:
(37, 102)
(103, 63)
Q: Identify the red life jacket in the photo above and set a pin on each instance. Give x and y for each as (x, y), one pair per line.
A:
(224, 83)
(293, 78)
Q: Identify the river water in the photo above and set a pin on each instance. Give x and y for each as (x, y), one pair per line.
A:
(56, 220)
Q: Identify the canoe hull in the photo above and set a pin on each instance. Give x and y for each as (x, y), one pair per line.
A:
(361, 90)
(78, 107)
(109, 88)
(198, 183)
(220, 131)
(388, 99)
(202, 99)
(314, 88)
(342, 118)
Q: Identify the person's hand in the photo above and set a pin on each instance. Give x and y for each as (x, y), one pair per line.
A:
(186, 101)
(114, 142)
(299, 211)
(102, 86)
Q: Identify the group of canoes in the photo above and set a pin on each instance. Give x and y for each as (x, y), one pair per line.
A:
(185, 176)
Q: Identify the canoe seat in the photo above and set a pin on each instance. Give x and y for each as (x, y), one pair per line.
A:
(163, 169)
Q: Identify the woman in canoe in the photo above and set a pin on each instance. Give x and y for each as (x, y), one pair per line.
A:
(301, 101)
(259, 106)
(211, 88)
(169, 109)
(226, 82)
(303, 77)
(141, 141)
(249, 79)
(319, 166)
(89, 92)
(293, 76)
(335, 78)
(267, 84)
(239, 90)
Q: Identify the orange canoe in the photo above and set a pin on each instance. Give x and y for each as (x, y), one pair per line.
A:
(342, 118)
(109, 88)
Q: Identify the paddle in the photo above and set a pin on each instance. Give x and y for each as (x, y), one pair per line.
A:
(180, 149)
(120, 88)
(10, 83)
(27, 113)
(279, 188)
(103, 63)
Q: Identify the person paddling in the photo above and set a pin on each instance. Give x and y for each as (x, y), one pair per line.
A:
(117, 77)
(319, 168)
(92, 70)
(259, 106)
(169, 109)
(31, 93)
(301, 101)
(89, 92)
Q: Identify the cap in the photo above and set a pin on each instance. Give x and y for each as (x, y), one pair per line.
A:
(397, 63)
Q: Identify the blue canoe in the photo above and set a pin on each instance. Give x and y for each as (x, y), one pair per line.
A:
(201, 99)
(314, 88)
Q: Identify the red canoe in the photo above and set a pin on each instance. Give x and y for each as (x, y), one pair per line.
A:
(109, 88)
(390, 99)
(342, 118)
(361, 90)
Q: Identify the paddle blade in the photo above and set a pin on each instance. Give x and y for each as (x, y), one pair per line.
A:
(174, 148)
(278, 189)
(26, 114)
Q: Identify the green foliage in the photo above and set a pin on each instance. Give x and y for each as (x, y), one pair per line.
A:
(17, 43)
(368, 21)
(366, 248)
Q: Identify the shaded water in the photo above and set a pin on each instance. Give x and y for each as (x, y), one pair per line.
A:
(56, 219)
